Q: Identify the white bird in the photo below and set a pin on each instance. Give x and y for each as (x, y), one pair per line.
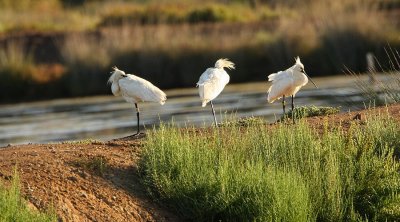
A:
(213, 81)
(287, 83)
(134, 90)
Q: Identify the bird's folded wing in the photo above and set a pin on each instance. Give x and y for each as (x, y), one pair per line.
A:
(282, 83)
(142, 90)
(211, 86)
(280, 75)
(207, 77)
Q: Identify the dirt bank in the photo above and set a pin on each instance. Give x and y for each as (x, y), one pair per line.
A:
(98, 181)
(86, 181)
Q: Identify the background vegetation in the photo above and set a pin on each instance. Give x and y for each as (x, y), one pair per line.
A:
(385, 91)
(63, 48)
(280, 173)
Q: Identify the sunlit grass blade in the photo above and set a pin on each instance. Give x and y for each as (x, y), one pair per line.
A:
(275, 173)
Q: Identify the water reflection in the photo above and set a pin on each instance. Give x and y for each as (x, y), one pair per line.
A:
(108, 117)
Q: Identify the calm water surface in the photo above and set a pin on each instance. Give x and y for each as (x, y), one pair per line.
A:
(107, 117)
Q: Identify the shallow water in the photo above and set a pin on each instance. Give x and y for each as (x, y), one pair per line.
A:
(107, 117)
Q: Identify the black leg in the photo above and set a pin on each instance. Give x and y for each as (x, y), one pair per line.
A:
(292, 103)
(293, 116)
(283, 105)
(213, 112)
(137, 115)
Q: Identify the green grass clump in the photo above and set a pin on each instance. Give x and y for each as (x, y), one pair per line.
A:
(309, 111)
(82, 142)
(170, 13)
(14, 208)
(280, 173)
(96, 164)
(245, 121)
(211, 13)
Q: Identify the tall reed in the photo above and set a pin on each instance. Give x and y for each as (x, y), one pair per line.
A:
(383, 85)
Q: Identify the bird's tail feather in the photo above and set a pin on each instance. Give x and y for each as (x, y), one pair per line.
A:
(163, 97)
(270, 100)
(272, 76)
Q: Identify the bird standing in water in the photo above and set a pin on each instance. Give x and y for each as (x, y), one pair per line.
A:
(134, 90)
(213, 81)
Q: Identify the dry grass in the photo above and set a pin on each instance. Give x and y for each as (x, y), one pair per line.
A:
(334, 23)
(28, 15)
(17, 63)
(53, 15)
(387, 90)
(160, 40)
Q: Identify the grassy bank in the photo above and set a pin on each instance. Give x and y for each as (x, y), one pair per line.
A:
(14, 208)
(172, 42)
(279, 173)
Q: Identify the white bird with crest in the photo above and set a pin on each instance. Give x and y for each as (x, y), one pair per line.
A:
(213, 81)
(288, 83)
(134, 90)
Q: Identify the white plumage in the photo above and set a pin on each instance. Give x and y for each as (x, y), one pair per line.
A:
(288, 82)
(135, 89)
(213, 81)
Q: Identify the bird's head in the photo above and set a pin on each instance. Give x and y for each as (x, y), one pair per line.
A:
(224, 63)
(116, 75)
(299, 68)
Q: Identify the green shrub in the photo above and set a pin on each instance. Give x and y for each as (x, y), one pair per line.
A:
(144, 15)
(280, 173)
(245, 121)
(210, 13)
(310, 111)
(97, 165)
(14, 208)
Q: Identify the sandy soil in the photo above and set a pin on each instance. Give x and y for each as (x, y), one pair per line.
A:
(96, 181)
(87, 181)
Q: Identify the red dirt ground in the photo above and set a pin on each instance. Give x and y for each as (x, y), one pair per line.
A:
(67, 176)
